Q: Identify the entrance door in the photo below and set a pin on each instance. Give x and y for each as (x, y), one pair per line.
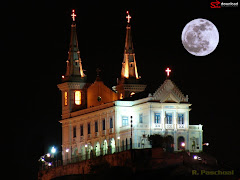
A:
(169, 141)
(181, 143)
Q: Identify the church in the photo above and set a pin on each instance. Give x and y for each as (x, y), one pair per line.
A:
(100, 120)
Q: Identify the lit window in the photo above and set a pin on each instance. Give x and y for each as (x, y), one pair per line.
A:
(121, 96)
(77, 97)
(140, 118)
(132, 93)
(169, 118)
(65, 98)
(180, 118)
(124, 121)
(157, 118)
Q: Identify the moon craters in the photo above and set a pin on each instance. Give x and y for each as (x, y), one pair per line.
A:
(200, 37)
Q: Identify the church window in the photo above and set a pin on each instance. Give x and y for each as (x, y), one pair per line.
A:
(99, 98)
(140, 118)
(132, 93)
(157, 118)
(96, 126)
(74, 132)
(65, 98)
(78, 97)
(89, 128)
(111, 122)
(124, 121)
(180, 118)
(169, 118)
(121, 96)
(103, 124)
(81, 130)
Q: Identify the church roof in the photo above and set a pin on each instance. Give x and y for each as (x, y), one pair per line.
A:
(74, 70)
(169, 92)
(129, 67)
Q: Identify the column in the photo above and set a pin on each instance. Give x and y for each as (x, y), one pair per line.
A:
(175, 120)
(175, 141)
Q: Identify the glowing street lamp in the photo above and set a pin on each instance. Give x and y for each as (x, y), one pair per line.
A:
(118, 138)
(183, 144)
(195, 157)
(206, 144)
(53, 150)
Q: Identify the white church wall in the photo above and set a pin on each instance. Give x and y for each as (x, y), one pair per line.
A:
(120, 133)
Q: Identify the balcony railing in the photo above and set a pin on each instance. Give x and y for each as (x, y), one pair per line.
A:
(169, 126)
(89, 136)
(181, 126)
(157, 125)
(195, 127)
(141, 125)
(96, 134)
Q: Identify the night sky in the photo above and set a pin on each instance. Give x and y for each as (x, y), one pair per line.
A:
(35, 45)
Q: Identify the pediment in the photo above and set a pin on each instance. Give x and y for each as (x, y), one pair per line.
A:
(170, 98)
(169, 92)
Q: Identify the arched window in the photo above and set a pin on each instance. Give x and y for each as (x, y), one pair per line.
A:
(132, 93)
(78, 97)
(65, 98)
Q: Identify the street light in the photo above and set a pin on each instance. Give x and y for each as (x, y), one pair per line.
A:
(131, 131)
(53, 150)
(206, 144)
(118, 138)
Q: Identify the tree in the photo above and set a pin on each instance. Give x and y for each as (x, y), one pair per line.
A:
(156, 140)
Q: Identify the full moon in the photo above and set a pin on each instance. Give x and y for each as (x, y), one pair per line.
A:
(200, 37)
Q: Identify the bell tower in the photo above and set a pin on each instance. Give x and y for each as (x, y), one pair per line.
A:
(73, 86)
(130, 81)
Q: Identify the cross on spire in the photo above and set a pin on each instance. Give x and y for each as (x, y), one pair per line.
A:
(168, 71)
(128, 17)
(73, 14)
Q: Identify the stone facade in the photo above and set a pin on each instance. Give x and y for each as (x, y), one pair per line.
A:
(97, 119)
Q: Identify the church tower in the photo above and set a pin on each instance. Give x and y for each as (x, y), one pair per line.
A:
(130, 82)
(74, 82)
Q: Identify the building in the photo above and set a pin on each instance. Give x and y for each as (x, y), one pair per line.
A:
(97, 119)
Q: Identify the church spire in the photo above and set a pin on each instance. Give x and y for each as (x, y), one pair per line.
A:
(129, 67)
(74, 70)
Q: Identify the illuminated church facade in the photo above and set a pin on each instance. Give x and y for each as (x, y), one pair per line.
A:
(98, 119)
